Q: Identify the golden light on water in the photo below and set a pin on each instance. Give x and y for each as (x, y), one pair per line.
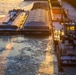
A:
(47, 65)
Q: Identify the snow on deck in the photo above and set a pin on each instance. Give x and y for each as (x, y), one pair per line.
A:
(38, 17)
(57, 25)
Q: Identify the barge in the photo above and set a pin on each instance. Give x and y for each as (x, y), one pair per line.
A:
(67, 51)
(13, 22)
(67, 45)
(19, 22)
(38, 21)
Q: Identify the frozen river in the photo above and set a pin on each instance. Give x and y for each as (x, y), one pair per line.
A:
(21, 55)
(27, 55)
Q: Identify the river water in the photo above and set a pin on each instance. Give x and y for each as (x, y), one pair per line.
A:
(27, 55)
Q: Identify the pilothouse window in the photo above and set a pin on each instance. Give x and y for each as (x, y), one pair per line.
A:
(72, 28)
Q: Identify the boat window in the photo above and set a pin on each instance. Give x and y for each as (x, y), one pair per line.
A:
(72, 27)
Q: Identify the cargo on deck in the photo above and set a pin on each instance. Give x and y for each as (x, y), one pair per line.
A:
(14, 23)
(38, 21)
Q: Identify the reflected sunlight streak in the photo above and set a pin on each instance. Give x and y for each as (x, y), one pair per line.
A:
(48, 65)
